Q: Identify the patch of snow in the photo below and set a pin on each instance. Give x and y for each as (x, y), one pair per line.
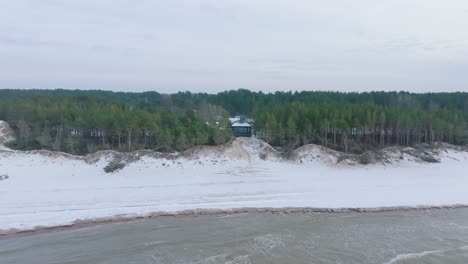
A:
(240, 124)
(239, 121)
(316, 153)
(52, 189)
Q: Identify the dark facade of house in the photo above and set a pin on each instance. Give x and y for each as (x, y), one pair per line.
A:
(240, 127)
(244, 131)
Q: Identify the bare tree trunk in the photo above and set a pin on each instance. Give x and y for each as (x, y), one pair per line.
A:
(345, 141)
(129, 138)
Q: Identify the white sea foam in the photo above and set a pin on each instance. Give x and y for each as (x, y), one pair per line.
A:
(240, 260)
(213, 259)
(265, 244)
(412, 256)
(154, 243)
(408, 256)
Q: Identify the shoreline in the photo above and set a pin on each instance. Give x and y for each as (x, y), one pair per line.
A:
(83, 223)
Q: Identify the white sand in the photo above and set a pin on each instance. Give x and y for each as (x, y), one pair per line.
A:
(52, 190)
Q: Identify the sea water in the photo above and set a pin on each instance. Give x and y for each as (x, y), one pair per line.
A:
(425, 236)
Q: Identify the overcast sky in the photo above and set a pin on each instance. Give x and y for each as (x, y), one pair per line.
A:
(215, 45)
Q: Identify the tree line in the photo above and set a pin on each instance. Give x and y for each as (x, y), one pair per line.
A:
(81, 122)
(244, 101)
(357, 127)
(81, 125)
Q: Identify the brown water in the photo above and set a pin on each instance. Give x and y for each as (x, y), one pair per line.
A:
(433, 236)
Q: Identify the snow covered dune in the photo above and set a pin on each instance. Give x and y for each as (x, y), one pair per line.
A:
(45, 189)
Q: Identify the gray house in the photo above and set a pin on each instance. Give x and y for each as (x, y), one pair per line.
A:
(240, 126)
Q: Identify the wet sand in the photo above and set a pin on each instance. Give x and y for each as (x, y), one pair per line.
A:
(219, 212)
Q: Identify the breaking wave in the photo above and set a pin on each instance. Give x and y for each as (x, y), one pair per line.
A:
(417, 256)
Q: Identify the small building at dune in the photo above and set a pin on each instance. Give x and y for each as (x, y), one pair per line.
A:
(240, 126)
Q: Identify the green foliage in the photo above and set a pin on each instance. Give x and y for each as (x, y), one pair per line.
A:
(113, 167)
(85, 121)
(81, 125)
(366, 158)
(356, 127)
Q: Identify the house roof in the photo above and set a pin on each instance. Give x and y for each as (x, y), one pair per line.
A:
(240, 124)
(238, 121)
